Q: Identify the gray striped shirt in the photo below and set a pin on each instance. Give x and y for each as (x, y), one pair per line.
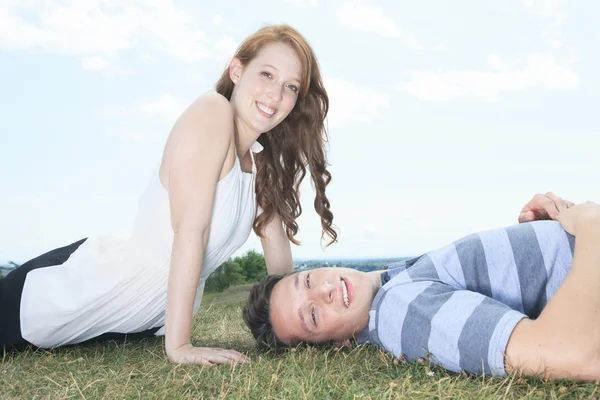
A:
(458, 305)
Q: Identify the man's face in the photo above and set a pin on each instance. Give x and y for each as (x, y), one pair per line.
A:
(322, 304)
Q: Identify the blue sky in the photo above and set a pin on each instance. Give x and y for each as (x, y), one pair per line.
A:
(446, 117)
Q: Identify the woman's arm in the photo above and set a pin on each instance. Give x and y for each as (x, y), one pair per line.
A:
(196, 152)
(276, 247)
(564, 342)
(543, 206)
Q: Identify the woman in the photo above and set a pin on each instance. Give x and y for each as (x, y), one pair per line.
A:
(196, 211)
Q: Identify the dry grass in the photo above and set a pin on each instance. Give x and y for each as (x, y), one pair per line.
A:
(139, 370)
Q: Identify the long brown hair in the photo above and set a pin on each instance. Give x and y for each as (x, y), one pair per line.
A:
(296, 143)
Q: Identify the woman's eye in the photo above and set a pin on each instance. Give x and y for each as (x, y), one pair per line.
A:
(266, 74)
(308, 281)
(314, 318)
(294, 88)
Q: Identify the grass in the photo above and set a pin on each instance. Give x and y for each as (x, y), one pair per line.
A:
(139, 370)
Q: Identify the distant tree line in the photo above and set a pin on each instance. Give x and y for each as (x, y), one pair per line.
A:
(364, 265)
(250, 267)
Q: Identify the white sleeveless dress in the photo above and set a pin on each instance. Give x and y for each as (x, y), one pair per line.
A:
(120, 286)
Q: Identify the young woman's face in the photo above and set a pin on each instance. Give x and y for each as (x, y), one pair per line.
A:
(322, 304)
(267, 88)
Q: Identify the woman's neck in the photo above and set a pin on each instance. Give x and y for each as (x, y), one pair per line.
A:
(244, 138)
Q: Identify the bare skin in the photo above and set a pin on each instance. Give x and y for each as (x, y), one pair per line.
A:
(564, 341)
(543, 206)
(310, 306)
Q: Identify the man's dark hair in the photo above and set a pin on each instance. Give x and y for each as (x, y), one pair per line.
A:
(256, 313)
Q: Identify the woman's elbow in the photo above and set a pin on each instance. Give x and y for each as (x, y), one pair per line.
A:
(196, 235)
(535, 349)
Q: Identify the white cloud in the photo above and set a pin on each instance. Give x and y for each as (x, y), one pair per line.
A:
(552, 13)
(498, 63)
(162, 113)
(101, 64)
(541, 70)
(94, 63)
(359, 15)
(351, 103)
(194, 78)
(167, 108)
(78, 28)
(101, 28)
(138, 135)
(225, 47)
(218, 20)
(304, 3)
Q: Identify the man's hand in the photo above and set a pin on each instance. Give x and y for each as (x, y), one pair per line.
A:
(543, 206)
(189, 354)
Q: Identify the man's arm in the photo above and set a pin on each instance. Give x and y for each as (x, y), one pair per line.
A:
(454, 328)
(564, 342)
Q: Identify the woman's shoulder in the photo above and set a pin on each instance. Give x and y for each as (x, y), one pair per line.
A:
(206, 124)
(210, 113)
(213, 104)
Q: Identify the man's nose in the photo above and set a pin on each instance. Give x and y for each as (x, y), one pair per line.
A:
(325, 292)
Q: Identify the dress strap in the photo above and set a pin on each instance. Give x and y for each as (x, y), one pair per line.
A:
(253, 162)
(255, 148)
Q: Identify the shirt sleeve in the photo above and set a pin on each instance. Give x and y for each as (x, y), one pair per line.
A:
(455, 328)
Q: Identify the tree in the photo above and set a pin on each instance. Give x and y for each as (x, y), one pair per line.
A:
(250, 267)
(10, 264)
(253, 264)
(229, 273)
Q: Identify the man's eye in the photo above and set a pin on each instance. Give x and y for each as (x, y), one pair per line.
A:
(314, 318)
(308, 281)
(265, 73)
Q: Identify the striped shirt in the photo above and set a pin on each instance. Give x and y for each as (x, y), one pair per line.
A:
(458, 305)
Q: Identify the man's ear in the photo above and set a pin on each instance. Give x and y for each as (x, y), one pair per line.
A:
(235, 70)
(344, 343)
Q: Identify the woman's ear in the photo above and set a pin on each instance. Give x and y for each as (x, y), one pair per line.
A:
(235, 70)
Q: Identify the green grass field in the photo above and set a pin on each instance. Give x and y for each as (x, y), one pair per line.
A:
(139, 370)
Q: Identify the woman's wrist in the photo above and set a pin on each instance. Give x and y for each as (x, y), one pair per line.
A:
(172, 347)
(173, 351)
(590, 225)
(590, 219)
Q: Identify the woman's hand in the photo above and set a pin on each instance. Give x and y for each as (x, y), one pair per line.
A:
(543, 206)
(189, 354)
(573, 218)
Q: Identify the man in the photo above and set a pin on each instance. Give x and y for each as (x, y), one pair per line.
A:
(521, 299)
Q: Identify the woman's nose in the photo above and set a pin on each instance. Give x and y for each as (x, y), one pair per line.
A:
(276, 92)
